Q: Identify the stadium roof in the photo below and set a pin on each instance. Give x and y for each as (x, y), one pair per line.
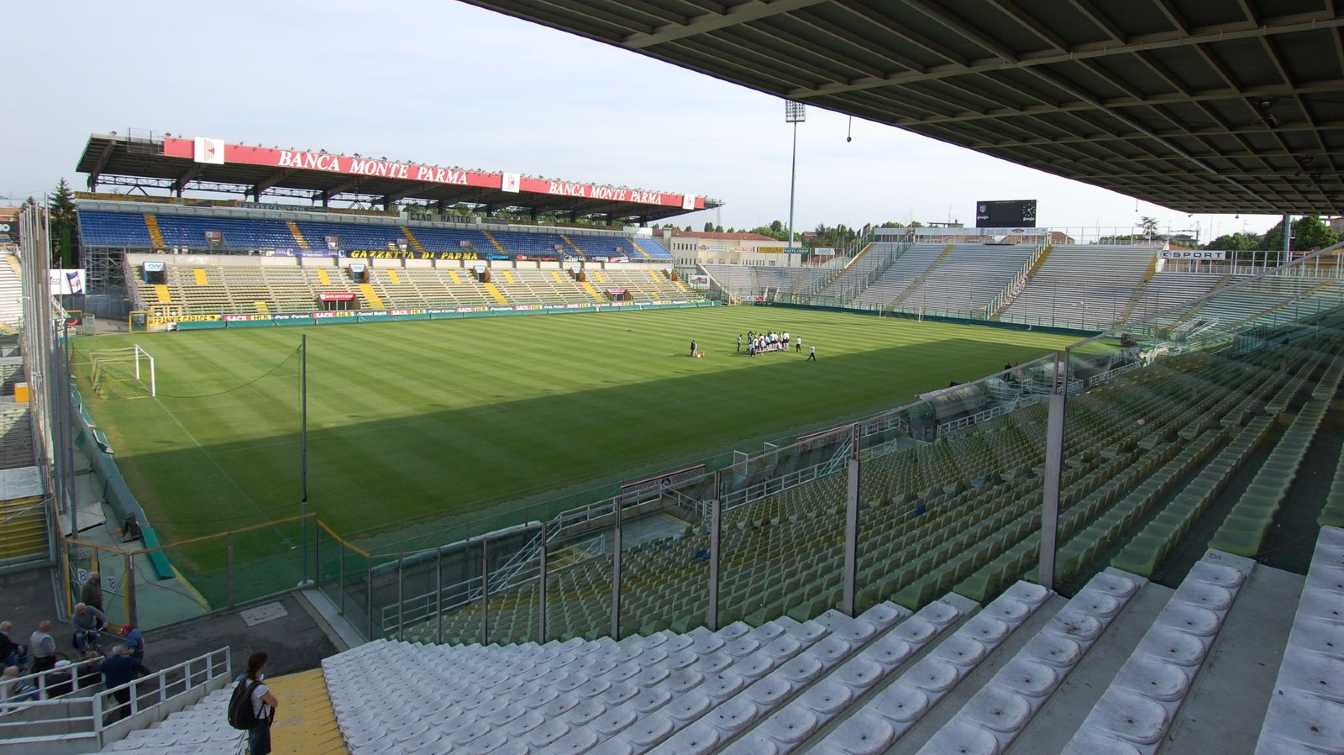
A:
(724, 235)
(1197, 105)
(204, 164)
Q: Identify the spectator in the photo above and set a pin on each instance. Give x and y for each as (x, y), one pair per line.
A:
(11, 652)
(91, 594)
(135, 641)
(264, 706)
(61, 680)
(88, 621)
(43, 647)
(118, 669)
(14, 691)
(89, 671)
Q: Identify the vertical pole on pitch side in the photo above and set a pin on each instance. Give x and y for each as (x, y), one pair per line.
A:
(303, 449)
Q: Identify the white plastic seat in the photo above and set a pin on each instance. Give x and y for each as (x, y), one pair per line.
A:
(826, 698)
(648, 730)
(685, 708)
(585, 712)
(693, 740)
(963, 739)
(1130, 717)
(791, 725)
(1161, 681)
(863, 734)
(901, 702)
(580, 739)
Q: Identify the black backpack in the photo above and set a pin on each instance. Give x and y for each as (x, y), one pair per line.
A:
(241, 714)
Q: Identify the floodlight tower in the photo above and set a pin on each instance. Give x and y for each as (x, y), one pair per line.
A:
(795, 113)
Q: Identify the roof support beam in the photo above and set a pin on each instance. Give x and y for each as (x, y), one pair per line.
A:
(1164, 40)
(1273, 90)
(963, 30)
(261, 186)
(738, 14)
(1099, 19)
(187, 177)
(98, 167)
(1031, 24)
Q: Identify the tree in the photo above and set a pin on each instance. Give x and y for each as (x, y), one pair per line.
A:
(1308, 233)
(718, 229)
(1237, 242)
(776, 226)
(64, 226)
(709, 226)
(1149, 226)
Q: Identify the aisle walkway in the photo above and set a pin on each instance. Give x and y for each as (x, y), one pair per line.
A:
(305, 721)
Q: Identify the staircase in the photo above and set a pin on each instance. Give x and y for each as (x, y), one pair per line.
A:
(371, 296)
(162, 294)
(1139, 291)
(1014, 290)
(306, 723)
(1192, 311)
(916, 283)
(323, 277)
(198, 274)
(494, 241)
(570, 243)
(262, 308)
(23, 530)
(16, 434)
(640, 249)
(298, 235)
(155, 235)
(593, 292)
(415, 244)
(495, 294)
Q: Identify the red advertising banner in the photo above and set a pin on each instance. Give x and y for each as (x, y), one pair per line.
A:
(215, 152)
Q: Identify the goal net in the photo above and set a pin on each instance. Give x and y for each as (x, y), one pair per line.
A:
(123, 373)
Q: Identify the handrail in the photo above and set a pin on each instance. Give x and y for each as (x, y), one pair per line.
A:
(142, 694)
(39, 678)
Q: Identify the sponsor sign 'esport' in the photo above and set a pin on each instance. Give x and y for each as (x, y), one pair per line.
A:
(1193, 254)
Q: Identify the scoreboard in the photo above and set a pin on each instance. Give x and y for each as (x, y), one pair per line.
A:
(1008, 213)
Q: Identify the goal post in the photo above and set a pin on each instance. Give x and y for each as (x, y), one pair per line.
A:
(149, 369)
(128, 372)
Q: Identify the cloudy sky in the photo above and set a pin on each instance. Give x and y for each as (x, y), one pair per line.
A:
(445, 83)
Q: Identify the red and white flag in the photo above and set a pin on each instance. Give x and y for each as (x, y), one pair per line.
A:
(209, 150)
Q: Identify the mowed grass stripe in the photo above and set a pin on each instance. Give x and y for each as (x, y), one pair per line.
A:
(459, 418)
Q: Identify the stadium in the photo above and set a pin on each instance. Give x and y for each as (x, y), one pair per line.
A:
(579, 480)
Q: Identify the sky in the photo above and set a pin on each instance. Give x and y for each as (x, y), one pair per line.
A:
(445, 83)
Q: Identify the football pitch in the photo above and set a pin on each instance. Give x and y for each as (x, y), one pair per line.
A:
(465, 425)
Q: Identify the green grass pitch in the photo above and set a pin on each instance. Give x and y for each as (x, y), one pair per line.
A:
(458, 421)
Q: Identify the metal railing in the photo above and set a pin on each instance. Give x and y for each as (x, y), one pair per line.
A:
(108, 714)
(52, 682)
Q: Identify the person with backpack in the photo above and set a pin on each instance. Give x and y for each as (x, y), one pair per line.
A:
(252, 706)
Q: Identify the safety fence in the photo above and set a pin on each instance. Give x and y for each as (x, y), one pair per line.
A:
(89, 722)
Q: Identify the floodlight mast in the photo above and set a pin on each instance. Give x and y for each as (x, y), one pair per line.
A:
(795, 113)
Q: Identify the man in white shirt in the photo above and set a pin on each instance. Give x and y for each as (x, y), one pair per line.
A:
(42, 646)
